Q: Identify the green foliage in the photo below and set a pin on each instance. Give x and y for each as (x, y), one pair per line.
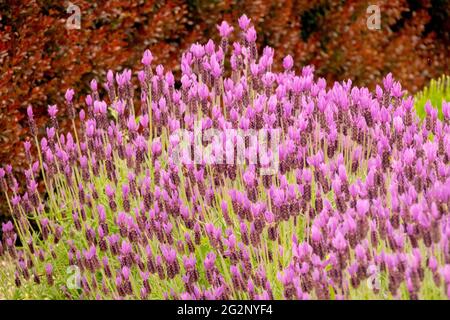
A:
(437, 91)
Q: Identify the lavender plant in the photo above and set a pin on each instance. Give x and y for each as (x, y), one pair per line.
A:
(357, 210)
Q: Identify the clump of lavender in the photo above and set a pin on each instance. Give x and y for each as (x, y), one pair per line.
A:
(358, 208)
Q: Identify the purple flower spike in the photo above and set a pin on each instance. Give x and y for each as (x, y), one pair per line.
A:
(288, 63)
(250, 35)
(69, 95)
(244, 22)
(147, 58)
(49, 273)
(224, 29)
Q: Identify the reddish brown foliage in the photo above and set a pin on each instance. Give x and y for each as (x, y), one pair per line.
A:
(40, 58)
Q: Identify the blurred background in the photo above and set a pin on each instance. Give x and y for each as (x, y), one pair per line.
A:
(40, 58)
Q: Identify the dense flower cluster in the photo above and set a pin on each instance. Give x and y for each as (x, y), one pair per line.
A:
(358, 209)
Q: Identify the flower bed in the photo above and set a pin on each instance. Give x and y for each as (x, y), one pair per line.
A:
(355, 205)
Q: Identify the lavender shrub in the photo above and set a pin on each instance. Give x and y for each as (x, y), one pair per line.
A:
(358, 208)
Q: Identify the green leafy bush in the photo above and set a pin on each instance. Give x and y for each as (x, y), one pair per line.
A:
(437, 91)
